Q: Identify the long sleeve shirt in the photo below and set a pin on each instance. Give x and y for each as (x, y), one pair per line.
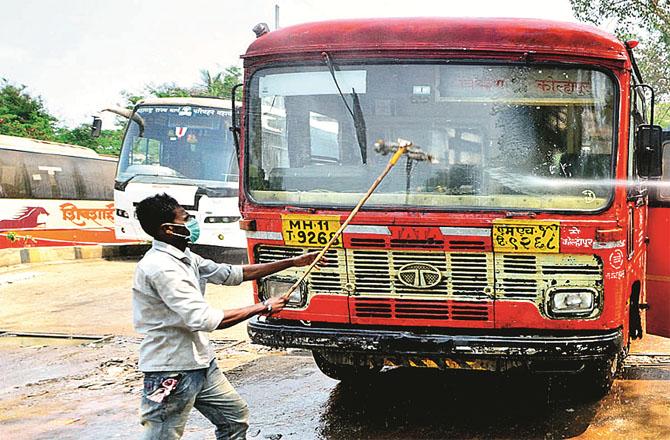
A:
(170, 310)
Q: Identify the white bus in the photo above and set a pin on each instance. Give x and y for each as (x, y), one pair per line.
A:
(182, 147)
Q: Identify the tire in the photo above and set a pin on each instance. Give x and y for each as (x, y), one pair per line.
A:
(344, 372)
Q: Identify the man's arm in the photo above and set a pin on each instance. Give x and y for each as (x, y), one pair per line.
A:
(234, 316)
(256, 271)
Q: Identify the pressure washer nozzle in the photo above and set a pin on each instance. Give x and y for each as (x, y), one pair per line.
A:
(411, 151)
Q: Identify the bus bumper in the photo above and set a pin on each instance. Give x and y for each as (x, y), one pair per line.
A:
(558, 351)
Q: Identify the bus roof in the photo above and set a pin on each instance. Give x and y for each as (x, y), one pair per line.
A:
(441, 34)
(39, 146)
(187, 100)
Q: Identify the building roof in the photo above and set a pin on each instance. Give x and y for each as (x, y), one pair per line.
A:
(441, 34)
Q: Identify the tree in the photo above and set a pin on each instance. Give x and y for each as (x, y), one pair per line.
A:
(109, 141)
(220, 84)
(645, 20)
(24, 115)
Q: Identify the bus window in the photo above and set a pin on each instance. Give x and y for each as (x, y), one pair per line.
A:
(554, 124)
(189, 143)
(52, 177)
(96, 179)
(13, 177)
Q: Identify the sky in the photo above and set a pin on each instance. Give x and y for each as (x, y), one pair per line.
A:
(78, 55)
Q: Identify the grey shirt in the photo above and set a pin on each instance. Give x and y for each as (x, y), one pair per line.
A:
(170, 310)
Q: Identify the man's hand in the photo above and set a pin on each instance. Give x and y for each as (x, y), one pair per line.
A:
(307, 259)
(277, 304)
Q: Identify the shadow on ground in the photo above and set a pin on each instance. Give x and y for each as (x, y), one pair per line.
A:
(432, 404)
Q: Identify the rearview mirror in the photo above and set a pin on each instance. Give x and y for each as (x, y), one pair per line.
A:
(235, 126)
(96, 127)
(648, 150)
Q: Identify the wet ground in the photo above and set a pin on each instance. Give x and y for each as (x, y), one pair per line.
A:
(89, 389)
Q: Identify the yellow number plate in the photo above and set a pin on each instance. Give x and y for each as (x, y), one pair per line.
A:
(308, 230)
(526, 236)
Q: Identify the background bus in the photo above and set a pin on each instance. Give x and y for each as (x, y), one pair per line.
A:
(182, 147)
(54, 194)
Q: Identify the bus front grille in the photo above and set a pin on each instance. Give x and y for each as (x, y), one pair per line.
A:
(329, 278)
(464, 275)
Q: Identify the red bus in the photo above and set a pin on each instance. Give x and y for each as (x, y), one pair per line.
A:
(54, 194)
(535, 242)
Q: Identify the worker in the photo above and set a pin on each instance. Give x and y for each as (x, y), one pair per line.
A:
(169, 309)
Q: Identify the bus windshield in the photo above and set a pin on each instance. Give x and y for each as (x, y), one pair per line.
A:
(181, 144)
(505, 137)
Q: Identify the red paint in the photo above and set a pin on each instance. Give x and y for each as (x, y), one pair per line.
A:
(439, 34)
(27, 218)
(321, 308)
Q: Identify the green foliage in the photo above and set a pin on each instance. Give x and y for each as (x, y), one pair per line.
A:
(645, 20)
(220, 84)
(168, 90)
(24, 115)
(109, 141)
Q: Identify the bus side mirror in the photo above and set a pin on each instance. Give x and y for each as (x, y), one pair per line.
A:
(96, 127)
(648, 150)
(235, 119)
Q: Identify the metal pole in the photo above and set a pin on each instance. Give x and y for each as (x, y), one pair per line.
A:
(394, 159)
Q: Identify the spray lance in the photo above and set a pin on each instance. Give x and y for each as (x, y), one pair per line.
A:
(402, 147)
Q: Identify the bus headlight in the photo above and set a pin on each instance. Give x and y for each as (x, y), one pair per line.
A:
(228, 219)
(274, 287)
(576, 301)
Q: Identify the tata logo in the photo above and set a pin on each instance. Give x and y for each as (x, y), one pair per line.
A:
(419, 275)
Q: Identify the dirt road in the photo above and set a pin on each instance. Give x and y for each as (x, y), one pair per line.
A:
(73, 389)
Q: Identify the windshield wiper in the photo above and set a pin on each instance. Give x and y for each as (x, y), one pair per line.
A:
(121, 186)
(356, 113)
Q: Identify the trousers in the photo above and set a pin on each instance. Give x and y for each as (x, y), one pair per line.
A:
(168, 397)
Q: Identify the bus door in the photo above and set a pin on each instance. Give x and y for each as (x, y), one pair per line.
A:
(658, 255)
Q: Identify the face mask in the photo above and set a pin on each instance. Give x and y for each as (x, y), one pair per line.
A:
(193, 229)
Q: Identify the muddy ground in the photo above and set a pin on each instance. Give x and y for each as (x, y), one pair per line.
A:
(54, 388)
